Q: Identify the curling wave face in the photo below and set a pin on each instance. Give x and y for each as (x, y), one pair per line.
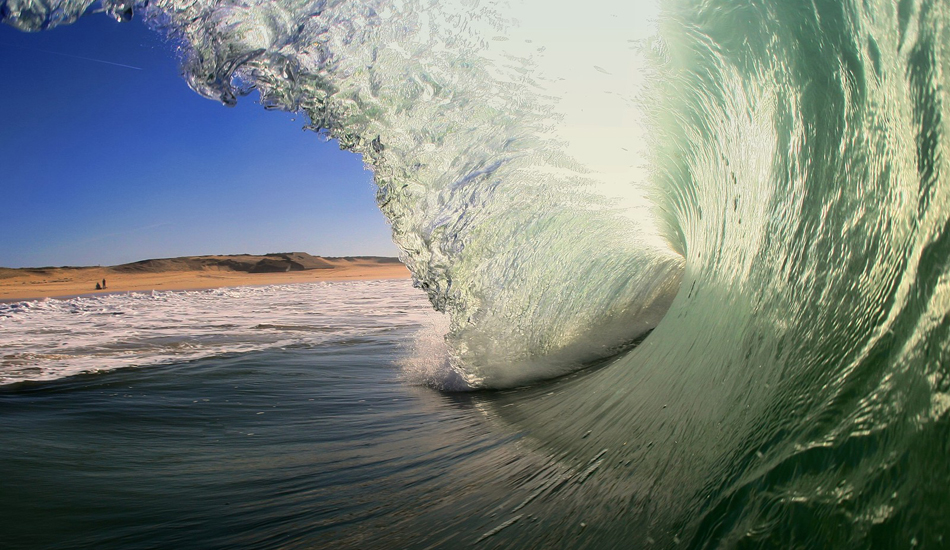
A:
(779, 168)
(542, 258)
(796, 394)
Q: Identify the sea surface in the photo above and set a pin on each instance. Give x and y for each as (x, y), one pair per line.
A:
(54, 338)
(691, 263)
(231, 418)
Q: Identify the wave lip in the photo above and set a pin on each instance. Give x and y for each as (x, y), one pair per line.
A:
(528, 228)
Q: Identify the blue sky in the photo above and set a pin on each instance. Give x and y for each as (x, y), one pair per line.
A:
(103, 164)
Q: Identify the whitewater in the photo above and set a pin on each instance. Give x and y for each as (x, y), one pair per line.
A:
(693, 255)
(54, 338)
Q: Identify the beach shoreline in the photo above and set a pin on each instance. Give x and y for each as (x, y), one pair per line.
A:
(191, 273)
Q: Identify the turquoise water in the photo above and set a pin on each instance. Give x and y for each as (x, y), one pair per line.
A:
(755, 192)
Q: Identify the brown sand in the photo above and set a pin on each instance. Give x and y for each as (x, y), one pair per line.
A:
(193, 273)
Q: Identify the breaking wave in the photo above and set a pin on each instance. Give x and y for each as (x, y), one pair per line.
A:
(768, 178)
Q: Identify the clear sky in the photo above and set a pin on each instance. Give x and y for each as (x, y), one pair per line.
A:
(107, 157)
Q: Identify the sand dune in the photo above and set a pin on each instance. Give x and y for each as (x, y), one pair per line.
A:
(194, 272)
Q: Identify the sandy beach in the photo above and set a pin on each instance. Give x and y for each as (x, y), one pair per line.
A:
(193, 273)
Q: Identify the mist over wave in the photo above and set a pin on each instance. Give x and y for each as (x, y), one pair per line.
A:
(771, 176)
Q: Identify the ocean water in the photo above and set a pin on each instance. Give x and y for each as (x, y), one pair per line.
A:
(691, 259)
(198, 431)
(51, 339)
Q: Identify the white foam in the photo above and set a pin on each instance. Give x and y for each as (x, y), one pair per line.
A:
(429, 362)
(49, 339)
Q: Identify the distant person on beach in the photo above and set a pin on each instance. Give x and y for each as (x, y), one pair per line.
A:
(98, 287)
(103, 283)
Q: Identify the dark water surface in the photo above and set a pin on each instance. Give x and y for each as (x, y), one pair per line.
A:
(276, 449)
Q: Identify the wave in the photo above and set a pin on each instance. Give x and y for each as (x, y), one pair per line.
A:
(761, 184)
(543, 257)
